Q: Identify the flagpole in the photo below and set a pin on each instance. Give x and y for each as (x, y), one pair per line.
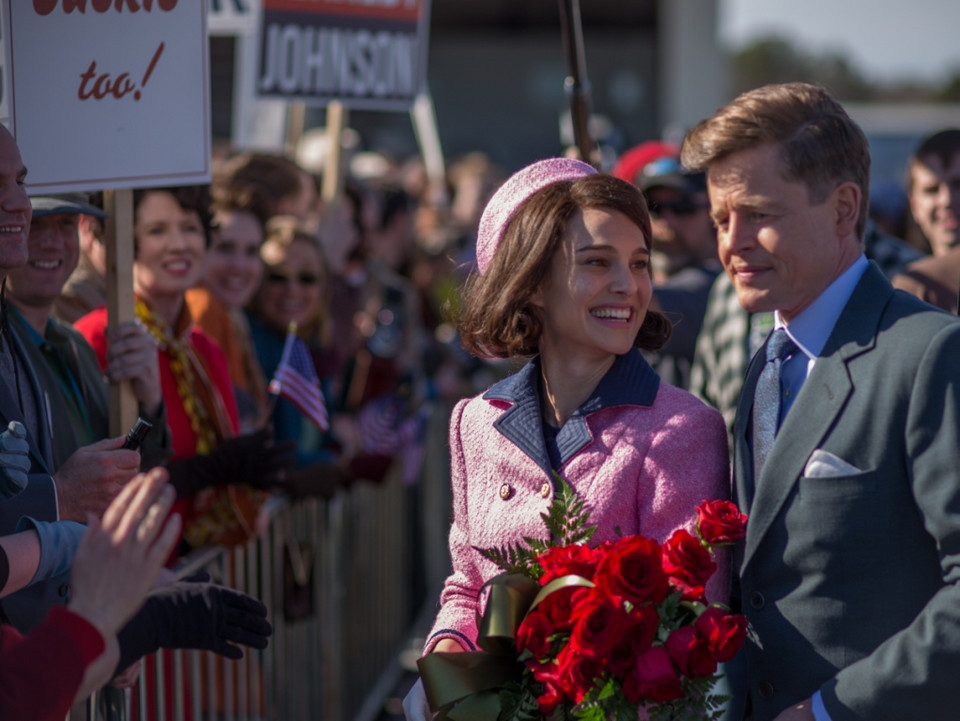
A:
(273, 388)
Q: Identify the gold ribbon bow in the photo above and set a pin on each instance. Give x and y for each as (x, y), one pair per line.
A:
(466, 686)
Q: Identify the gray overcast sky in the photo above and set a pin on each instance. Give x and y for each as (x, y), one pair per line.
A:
(884, 38)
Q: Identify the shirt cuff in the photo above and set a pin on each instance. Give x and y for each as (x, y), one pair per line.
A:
(819, 710)
(58, 544)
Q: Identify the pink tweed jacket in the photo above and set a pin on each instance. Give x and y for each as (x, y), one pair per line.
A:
(641, 453)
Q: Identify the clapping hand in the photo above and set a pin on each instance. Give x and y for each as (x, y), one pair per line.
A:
(14, 459)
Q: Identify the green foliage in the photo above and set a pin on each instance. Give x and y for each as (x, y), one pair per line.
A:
(518, 703)
(567, 518)
(567, 521)
(698, 704)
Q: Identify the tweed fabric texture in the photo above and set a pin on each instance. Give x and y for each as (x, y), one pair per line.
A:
(643, 471)
(512, 194)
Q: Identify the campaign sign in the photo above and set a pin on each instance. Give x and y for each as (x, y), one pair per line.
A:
(110, 94)
(368, 54)
(233, 17)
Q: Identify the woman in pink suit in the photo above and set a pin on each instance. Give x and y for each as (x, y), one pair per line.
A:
(563, 276)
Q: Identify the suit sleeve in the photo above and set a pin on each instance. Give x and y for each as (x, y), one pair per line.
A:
(457, 618)
(38, 500)
(914, 673)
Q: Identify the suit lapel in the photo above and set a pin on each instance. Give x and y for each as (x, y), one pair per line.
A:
(816, 409)
(10, 411)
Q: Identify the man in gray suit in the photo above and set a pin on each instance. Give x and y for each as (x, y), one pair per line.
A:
(850, 568)
(54, 501)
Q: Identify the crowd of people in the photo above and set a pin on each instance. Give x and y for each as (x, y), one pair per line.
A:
(646, 300)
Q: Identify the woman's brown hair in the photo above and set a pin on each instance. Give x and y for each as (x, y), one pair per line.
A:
(498, 319)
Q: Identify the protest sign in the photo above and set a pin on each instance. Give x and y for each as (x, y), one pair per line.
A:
(233, 17)
(110, 93)
(368, 54)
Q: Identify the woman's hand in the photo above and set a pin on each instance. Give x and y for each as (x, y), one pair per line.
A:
(415, 706)
(132, 356)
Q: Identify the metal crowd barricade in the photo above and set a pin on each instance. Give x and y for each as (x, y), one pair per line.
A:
(322, 662)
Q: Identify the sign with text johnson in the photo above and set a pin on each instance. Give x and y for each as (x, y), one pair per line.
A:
(368, 54)
(110, 93)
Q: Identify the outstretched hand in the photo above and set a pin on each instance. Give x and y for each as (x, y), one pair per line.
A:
(254, 459)
(198, 615)
(119, 556)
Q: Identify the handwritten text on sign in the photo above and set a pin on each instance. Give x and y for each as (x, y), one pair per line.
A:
(45, 7)
(131, 78)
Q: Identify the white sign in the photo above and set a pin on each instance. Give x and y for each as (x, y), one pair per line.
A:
(110, 94)
(368, 54)
(234, 17)
(4, 73)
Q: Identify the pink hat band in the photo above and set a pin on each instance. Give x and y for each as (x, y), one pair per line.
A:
(514, 192)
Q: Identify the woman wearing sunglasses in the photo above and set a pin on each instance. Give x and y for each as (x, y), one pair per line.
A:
(295, 289)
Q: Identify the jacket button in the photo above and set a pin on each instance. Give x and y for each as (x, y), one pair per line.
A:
(63, 590)
(506, 491)
(757, 601)
(545, 489)
(765, 690)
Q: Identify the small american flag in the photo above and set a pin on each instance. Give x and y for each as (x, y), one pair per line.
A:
(296, 380)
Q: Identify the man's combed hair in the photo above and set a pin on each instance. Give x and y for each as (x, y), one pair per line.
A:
(499, 319)
(820, 145)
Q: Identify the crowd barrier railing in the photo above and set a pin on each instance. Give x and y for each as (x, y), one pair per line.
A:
(343, 581)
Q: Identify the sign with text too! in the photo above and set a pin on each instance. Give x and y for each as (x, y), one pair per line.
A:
(109, 94)
(368, 54)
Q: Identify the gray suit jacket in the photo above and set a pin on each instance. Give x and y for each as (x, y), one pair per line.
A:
(850, 582)
(27, 608)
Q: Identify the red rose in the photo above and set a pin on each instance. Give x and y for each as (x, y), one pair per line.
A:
(580, 672)
(638, 637)
(688, 564)
(555, 687)
(653, 678)
(598, 623)
(720, 522)
(558, 607)
(534, 633)
(690, 653)
(576, 559)
(632, 569)
(722, 631)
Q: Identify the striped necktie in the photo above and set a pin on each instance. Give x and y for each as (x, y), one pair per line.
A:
(766, 399)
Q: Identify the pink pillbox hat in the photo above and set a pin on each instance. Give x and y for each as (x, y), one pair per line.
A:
(512, 194)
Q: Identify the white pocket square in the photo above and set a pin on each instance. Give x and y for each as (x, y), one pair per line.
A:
(823, 464)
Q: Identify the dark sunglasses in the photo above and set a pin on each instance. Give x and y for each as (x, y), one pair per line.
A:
(680, 208)
(275, 277)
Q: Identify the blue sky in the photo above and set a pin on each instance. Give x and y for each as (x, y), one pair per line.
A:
(886, 39)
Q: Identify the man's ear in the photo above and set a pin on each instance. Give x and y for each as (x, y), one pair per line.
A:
(847, 204)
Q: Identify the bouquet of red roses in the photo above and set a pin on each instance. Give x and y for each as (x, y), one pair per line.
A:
(619, 627)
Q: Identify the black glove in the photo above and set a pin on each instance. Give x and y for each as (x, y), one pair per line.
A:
(194, 615)
(253, 459)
